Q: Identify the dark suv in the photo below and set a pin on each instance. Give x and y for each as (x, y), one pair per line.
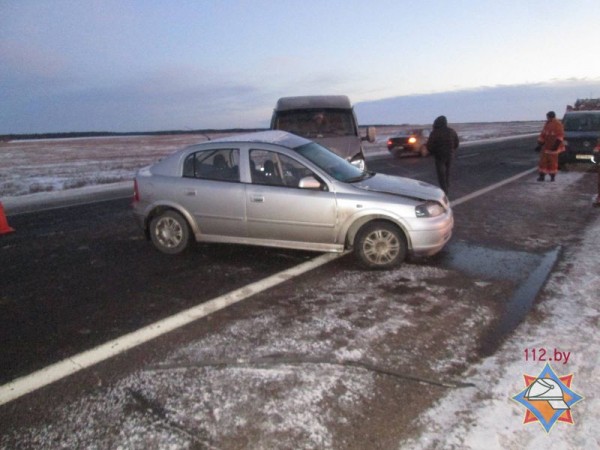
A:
(582, 130)
(326, 119)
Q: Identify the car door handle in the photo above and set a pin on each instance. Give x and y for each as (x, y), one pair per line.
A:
(190, 193)
(257, 199)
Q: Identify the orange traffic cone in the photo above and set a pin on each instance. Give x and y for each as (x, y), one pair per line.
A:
(4, 227)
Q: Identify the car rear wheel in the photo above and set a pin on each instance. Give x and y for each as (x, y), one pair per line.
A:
(170, 232)
(380, 245)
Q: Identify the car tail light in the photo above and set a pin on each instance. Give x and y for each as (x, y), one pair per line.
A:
(389, 142)
(412, 140)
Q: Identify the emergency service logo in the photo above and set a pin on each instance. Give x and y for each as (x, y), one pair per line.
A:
(548, 398)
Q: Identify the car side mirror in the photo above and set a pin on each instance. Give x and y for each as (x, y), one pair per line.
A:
(309, 183)
(370, 135)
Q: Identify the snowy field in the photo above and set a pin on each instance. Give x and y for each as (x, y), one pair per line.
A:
(32, 166)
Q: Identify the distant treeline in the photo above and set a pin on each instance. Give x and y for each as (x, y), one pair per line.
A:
(84, 134)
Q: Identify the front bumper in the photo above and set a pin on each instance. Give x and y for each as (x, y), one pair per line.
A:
(570, 156)
(401, 148)
(430, 241)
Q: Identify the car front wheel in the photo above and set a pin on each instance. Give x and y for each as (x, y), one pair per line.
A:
(380, 245)
(170, 232)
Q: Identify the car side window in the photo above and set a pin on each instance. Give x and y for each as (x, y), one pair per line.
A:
(276, 169)
(216, 164)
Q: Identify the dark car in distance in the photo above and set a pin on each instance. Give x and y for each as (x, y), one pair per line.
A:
(409, 142)
(582, 131)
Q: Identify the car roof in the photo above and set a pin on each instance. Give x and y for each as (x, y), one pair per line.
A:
(582, 113)
(313, 102)
(170, 164)
(276, 137)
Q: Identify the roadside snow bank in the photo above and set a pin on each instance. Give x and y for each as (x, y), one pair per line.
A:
(487, 417)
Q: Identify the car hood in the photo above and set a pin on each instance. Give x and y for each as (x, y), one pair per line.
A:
(405, 187)
(344, 146)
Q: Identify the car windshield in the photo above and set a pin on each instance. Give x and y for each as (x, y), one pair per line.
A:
(582, 122)
(337, 167)
(317, 123)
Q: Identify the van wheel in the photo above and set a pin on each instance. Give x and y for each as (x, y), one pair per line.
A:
(380, 245)
(170, 232)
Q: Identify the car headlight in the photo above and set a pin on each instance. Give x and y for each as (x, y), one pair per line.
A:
(429, 209)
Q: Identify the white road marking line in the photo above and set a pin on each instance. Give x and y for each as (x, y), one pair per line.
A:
(36, 380)
(69, 366)
(485, 190)
(470, 155)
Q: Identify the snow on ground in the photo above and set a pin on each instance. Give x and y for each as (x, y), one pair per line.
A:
(469, 132)
(223, 387)
(488, 418)
(247, 382)
(49, 165)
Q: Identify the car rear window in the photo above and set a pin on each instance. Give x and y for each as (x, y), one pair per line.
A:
(220, 165)
(582, 122)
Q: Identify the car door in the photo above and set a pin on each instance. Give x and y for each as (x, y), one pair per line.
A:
(212, 192)
(278, 209)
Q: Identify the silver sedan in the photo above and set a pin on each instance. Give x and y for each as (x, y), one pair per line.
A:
(277, 189)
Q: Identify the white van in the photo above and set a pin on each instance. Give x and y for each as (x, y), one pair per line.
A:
(326, 119)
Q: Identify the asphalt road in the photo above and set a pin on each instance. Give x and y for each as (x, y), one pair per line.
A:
(75, 277)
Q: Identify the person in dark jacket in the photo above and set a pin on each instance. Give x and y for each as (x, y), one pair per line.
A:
(442, 143)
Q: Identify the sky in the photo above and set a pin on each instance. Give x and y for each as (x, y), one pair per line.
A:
(145, 65)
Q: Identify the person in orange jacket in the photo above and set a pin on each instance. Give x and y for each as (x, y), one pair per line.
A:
(550, 144)
(597, 161)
